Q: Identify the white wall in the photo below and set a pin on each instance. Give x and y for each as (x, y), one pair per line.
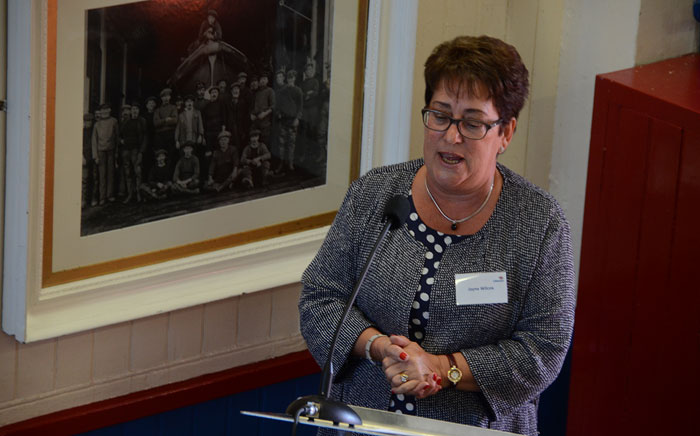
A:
(55, 374)
(3, 122)
(674, 20)
(598, 36)
(391, 45)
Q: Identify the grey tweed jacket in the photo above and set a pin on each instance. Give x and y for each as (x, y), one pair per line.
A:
(514, 349)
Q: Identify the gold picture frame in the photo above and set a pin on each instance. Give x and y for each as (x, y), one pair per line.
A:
(73, 282)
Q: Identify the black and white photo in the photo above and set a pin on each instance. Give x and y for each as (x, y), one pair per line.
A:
(194, 105)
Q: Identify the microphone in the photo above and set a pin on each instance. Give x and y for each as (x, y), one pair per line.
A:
(396, 210)
(321, 406)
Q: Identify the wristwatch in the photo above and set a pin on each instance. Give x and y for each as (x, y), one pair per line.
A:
(454, 374)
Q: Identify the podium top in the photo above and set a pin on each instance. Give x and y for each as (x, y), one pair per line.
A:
(383, 423)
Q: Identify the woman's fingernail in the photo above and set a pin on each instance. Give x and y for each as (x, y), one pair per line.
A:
(426, 387)
(435, 377)
(439, 380)
(392, 391)
(403, 356)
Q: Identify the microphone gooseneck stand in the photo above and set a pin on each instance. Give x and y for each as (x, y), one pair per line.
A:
(321, 406)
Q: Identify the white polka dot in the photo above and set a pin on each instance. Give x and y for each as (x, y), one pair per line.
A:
(418, 335)
(392, 404)
(420, 287)
(430, 281)
(413, 216)
(416, 305)
(438, 248)
(416, 321)
(399, 411)
(412, 233)
(399, 397)
(421, 227)
(426, 315)
(430, 238)
(440, 233)
(410, 407)
(448, 240)
(423, 295)
(429, 255)
(424, 271)
(436, 264)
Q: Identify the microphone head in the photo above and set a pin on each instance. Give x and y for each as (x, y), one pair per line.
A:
(396, 210)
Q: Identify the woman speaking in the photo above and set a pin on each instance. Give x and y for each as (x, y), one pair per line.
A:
(467, 312)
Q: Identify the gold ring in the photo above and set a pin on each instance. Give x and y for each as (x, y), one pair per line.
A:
(404, 377)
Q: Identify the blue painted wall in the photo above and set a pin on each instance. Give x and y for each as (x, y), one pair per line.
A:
(554, 403)
(222, 416)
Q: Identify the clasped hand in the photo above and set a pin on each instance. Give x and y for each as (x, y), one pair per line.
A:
(404, 357)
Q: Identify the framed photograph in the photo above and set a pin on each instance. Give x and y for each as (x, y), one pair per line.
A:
(186, 151)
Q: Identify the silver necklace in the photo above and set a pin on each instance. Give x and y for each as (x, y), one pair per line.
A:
(455, 222)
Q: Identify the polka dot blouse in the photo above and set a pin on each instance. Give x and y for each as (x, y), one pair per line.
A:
(435, 242)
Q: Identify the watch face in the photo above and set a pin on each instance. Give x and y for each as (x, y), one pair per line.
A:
(454, 374)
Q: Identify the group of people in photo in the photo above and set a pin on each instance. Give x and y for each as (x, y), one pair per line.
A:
(225, 137)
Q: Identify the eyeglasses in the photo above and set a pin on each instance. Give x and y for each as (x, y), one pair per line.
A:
(470, 128)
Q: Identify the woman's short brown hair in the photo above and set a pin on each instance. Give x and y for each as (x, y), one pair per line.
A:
(480, 60)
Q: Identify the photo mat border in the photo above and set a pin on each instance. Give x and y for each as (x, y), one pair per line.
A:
(52, 278)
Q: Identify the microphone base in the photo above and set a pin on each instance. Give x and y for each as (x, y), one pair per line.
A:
(320, 407)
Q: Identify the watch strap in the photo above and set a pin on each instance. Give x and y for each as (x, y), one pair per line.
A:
(452, 360)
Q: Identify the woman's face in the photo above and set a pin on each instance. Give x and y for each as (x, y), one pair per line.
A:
(454, 163)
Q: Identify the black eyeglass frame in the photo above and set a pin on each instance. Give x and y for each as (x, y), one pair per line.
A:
(425, 111)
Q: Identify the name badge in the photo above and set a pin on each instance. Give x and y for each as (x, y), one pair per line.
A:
(481, 288)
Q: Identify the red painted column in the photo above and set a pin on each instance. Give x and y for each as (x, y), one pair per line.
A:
(636, 350)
